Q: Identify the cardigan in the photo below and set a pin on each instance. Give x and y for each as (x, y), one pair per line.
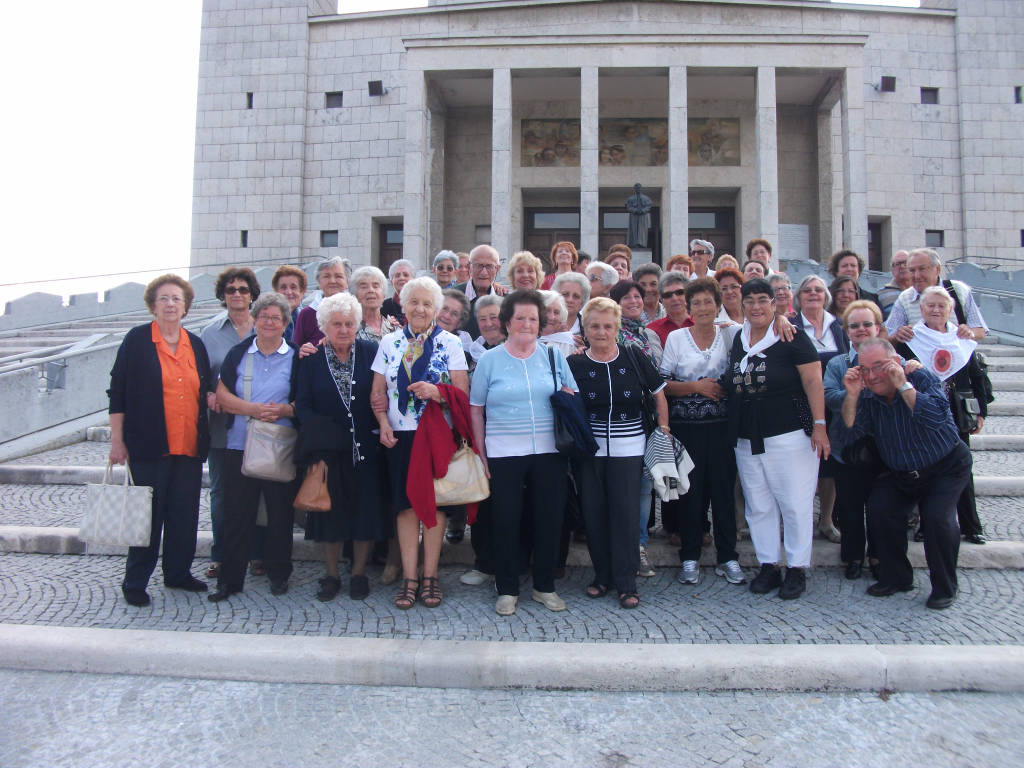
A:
(229, 372)
(136, 390)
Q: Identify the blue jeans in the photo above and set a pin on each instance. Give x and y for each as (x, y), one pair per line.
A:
(645, 507)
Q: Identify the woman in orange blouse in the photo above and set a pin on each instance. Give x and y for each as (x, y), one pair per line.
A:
(158, 424)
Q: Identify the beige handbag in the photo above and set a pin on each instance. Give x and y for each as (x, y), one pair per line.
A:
(465, 482)
(269, 448)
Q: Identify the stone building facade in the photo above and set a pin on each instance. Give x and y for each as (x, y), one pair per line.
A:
(813, 124)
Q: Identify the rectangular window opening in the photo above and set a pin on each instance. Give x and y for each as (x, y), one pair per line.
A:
(248, 100)
(333, 100)
(615, 220)
(555, 220)
(244, 238)
(1022, 238)
(1018, 94)
(934, 238)
(929, 95)
(328, 238)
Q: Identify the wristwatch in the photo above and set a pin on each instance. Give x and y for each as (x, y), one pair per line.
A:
(904, 387)
(820, 421)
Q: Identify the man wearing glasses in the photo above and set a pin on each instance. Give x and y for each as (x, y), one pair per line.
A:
(703, 253)
(927, 464)
(925, 268)
(899, 283)
(483, 269)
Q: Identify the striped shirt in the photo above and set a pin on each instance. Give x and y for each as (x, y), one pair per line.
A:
(907, 309)
(908, 440)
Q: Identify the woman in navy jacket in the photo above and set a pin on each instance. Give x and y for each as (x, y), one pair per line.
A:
(158, 424)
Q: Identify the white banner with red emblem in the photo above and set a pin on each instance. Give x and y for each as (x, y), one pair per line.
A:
(941, 353)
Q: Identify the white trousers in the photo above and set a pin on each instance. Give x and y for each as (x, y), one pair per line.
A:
(780, 484)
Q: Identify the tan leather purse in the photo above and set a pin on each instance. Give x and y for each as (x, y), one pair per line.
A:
(313, 495)
(465, 482)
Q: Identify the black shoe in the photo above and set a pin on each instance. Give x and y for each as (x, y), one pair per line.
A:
(192, 585)
(136, 597)
(455, 536)
(918, 535)
(768, 579)
(279, 587)
(794, 584)
(874, 571)
(854, 571)
(221, 593)
(940, 603)
(975, 538)
(878, 589)
(329, 589)
(358, 587)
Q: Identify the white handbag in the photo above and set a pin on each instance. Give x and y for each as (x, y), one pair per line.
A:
(120, 515)
(269, 448)
(465, 482)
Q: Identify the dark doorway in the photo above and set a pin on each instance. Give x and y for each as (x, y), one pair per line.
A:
(543, 227)
(718, 227)
(389, 248)
(615, 227)
(875, 245)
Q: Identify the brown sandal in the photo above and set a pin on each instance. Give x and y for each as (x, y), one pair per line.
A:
(431, 592)
(406, 597)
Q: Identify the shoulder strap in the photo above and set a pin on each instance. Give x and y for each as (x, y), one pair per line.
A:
(958, 307)
(631, 353)
(247, 378)
(551, 362)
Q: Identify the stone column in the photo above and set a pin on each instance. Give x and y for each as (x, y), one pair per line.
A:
(414, 220)
(855, 169)
(678, 219)
(766, 135)
(501, 163)
(590, 171)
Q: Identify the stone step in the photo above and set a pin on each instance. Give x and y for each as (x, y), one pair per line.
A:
(1004, 408)
(1014, 364)
(102, 434)
(997, 350)
(64, 541)
(985, 442)
(1007, 381)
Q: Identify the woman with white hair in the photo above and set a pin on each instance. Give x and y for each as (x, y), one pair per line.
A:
(555, 320)
(368, 285)
(446, 265)
(331, 278)
(602, 277)
(337, 426)
(409, 365)
(492, 334)
(400, 272)
(574, 289)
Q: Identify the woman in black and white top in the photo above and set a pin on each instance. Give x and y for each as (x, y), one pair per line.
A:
(611, 380)
(694, 360)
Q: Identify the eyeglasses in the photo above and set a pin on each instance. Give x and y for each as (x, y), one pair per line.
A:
(700, 253)
(783, 289)
(271, 319)
(594, 278)
(878, 369)
(855, 326)
(484, 267)
(762, 302)
(673, 294)
(233, 289)
(444, 268)
(170, 299)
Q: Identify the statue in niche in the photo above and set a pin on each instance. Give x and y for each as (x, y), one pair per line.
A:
(639, 207)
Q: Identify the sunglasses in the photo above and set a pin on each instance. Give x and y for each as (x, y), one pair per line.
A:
(233, 289)
(672, 294)
(701, 253)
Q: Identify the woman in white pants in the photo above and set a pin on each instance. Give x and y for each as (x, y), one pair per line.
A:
(777, 411)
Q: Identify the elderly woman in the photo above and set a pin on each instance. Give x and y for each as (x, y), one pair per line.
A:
(610, 480)
(564, 258)
(759, 249)
(525, 271)
(939, 347)
(844, 291)
(826, 334)
(620, 258)
(556, 318)
(681, 262)
(237, 288)
(158, 425)
(337, 426)
(400, 272)
(257, 381)
(446, 266)
(512, 386)
(602, 277)
(702, 252)
(695, 359)
(672, 290)
(463, 273)
(777, 414)
(409, 365)
(574, 289)
(331, 278)
(647, 277)
(727, 261)
(753, 269)
(290, 282)
(455, 313)
(783, 294)
(368, 285)
(491, 335)
(731, 283)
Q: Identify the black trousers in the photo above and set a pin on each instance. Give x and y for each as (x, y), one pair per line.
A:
(480, 537)
(713, 477)
(543, 475)
(175, 481)
(967, 504)
(853, 488)
(609, 487)
(241, 497)
(935, 491)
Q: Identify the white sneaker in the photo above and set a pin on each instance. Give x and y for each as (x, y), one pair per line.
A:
(732, 572)
(506, 605)
(645, 569)
(549, 600)
(474, 578)
(689, 573)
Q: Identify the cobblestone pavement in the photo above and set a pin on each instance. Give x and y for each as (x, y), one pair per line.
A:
(83, 454)
(1004, 425)
(83, 591)
(111, 720)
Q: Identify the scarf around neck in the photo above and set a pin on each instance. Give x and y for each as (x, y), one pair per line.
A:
(415, 361)
(941, 353)
(757, 350)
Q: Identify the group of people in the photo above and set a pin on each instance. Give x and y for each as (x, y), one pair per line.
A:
(777, 395)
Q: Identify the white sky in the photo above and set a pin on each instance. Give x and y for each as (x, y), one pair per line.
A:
(99, 127)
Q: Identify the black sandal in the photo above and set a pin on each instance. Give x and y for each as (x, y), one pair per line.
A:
(406, 597)
(596, 590)
(430, 595)
(629, 600)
